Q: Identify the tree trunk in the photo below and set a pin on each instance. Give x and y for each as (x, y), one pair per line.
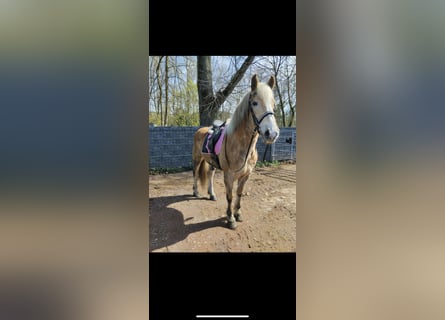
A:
(166, 91)
(281, 104)
(209, 102)
(158, 80)
(292, 116)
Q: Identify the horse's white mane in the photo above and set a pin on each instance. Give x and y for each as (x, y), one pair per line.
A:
(239, 114)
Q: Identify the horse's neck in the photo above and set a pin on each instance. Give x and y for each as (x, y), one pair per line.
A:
(241, 142)
(242, 134)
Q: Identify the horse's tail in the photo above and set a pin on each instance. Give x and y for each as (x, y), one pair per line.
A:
(200, 166)
(203, 168)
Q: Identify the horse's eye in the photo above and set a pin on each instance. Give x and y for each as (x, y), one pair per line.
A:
(254, 103)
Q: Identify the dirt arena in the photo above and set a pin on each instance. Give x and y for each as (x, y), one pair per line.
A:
(179, 222)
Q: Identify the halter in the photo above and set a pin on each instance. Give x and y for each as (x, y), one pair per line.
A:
(255, 119)
(257, 129)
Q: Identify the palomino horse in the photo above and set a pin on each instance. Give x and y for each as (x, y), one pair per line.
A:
(253, 116)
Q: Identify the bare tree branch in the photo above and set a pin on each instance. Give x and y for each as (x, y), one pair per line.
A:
(222, 95)
(210, 102)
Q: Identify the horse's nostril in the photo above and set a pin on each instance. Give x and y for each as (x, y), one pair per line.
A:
(267, 133)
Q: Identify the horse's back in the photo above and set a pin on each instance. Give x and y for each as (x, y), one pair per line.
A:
(201, 132)
(200, 135)
(198, 141)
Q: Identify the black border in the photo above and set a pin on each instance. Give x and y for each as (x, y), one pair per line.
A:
(222, 28)
(261, 285)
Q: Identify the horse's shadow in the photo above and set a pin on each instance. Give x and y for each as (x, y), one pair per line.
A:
(167, 225)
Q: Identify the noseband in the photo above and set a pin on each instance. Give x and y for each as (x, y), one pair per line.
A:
(255, 119)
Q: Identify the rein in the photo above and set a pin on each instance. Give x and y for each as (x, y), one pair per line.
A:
(257, 129)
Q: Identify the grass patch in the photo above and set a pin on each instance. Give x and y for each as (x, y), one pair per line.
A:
(262, 164)
(167, 170)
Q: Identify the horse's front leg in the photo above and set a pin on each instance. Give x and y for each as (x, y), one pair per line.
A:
(228, 182)
(239, 192)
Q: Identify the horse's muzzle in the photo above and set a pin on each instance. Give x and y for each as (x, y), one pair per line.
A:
(270, 136)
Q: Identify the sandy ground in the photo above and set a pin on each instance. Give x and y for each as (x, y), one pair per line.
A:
(179, 222)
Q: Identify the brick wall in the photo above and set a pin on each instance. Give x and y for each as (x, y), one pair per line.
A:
(171, 147)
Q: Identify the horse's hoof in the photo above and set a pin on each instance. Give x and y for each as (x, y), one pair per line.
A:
(196, 194)
(213, 197)
(238, 217)
(231, 225)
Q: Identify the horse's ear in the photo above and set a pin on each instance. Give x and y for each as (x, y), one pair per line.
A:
(271, 82)
(254, 82)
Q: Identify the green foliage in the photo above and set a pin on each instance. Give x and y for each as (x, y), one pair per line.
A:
(182, 118)
(262, 164)
(183, 107)
(154, 118)
(167, 170)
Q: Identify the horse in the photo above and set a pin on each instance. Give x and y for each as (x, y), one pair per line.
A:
(253, 116)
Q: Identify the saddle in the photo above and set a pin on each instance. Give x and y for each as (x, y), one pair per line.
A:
(215, 131)
(212, 143)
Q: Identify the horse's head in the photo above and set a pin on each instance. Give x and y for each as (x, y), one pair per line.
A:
(262, 105)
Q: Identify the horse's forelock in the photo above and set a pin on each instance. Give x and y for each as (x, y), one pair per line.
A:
(264, 91)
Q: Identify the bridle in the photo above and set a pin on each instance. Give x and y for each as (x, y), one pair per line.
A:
(257, 129)
(255, 119)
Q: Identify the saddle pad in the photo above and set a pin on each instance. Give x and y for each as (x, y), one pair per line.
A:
(217, 147)
(220, 141)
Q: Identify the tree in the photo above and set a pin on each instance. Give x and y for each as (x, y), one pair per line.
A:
(209, 101)
(173, 94)
(183, 93)
(166, 91)
(284, 70)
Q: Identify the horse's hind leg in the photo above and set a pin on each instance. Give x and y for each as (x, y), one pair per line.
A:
(212, 171)
(195, 177)
(228, 181)
(239, 191)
